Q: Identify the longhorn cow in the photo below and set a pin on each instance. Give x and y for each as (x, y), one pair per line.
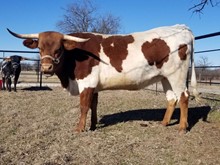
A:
(87, 63)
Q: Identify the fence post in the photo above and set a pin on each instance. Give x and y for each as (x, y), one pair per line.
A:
(40, 79)
(38, 71)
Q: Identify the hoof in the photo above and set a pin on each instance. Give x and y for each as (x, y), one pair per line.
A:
(92, 128)
(79, 130)
(182, 131)
(164, 123)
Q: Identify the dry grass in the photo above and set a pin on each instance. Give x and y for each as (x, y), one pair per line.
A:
(33, 77)
(37, 128)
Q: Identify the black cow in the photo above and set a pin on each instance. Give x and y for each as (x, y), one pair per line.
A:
(11, 69)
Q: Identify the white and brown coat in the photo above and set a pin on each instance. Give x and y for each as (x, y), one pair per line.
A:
(87, 63)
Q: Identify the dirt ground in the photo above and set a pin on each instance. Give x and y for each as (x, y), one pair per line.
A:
(36, 127)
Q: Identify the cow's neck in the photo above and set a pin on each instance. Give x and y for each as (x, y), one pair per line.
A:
(63, 79)
(66, 71)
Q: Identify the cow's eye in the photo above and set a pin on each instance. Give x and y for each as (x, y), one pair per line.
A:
(40, 49)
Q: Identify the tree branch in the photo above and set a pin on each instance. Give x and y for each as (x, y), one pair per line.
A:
(199, 7)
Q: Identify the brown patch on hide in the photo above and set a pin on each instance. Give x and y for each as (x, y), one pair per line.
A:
(115, 47)
(156, 52)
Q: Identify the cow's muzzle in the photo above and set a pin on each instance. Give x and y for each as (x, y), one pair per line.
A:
(47, 68)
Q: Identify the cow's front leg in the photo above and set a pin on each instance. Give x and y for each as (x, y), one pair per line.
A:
(85, 102)
(3, 83)
(94, 112)
(16, 76)
(15, 83)
(8, 84)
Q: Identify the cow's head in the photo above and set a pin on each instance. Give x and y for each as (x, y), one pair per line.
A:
(51, 46)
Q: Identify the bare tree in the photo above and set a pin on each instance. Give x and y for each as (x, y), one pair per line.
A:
(201, 4)
(203, 64)
(26, 66)
(107, 24)
(83, 17)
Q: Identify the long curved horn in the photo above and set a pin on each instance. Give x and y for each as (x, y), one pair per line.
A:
(72, 38)
(24, 36)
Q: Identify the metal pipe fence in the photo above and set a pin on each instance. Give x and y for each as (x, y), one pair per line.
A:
(39, 76)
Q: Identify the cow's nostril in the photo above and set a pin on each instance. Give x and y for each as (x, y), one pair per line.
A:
(50, 68)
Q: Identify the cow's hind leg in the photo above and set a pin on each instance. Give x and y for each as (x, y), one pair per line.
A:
(171, 102)
(184, 101)
(85, 103)
(174, 89)
(169, 112)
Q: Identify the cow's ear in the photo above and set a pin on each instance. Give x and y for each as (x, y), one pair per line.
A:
(32, 44)
(69, 45)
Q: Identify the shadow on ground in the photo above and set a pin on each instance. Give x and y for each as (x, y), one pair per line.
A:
(37, 89)
(194, 115)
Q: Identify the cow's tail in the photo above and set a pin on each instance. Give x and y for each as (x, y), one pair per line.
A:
(193, 76)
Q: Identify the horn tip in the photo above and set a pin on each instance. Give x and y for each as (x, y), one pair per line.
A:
(23, 36)
(9, 30)
(12, 33)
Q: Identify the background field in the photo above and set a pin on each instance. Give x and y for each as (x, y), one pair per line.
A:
(37, 128)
